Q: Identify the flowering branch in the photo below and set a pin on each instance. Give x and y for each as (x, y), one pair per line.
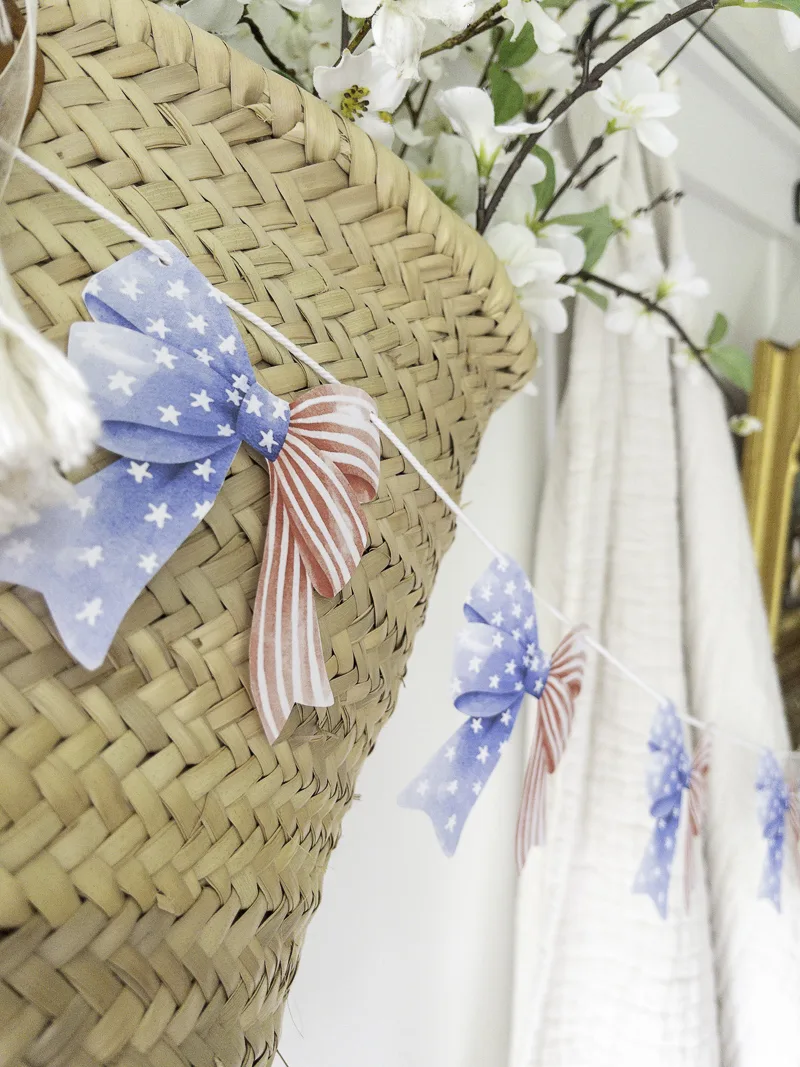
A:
(487, 21)
(589, 83)
(656, 309)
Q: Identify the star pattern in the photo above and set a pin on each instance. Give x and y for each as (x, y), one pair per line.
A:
(488, 687)
(162, 395)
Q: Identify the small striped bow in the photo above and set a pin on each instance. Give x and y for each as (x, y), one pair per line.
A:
(328, 467)
(498, 660)
(780, 802)
(672, 773)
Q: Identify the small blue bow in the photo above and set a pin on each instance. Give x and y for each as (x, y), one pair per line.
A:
(670, 775)
(497, 662)
(775, 805)
(172, 383)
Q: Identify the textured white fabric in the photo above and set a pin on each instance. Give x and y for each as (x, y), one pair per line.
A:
(601, 979)
(733, 682)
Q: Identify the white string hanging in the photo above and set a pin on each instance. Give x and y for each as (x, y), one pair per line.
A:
(157, 249)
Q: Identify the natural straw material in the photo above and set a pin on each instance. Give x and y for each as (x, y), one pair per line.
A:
(159, 860)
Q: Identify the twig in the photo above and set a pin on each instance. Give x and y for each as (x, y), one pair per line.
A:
(274, 59)
(279, 1054)
(487, 21)
(594, 147)
(359, 35)
(657, 309)
(598, 170)
(622, 17)
(667, 197)
(345, 34)
(481, 200)
(590, 84)
(688, 41)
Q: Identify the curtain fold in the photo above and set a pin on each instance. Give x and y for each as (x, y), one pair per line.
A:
(601, 979)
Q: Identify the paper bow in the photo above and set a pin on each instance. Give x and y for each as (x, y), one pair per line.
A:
(777, 801)
(671, 774)
(172, 382)
(497, 661)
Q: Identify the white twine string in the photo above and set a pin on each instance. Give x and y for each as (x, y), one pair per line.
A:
(158, 250)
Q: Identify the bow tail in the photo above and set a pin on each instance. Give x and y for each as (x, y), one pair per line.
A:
(698, 798)
(287, 666)
(553, 727)
(92, 558)
(655, 870)
(449, 786)
(533, 806)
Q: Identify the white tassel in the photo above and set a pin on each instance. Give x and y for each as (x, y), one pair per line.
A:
(47, 423)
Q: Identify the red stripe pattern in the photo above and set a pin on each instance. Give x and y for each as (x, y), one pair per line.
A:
(553, 727)
(328, 467)
(698, 801)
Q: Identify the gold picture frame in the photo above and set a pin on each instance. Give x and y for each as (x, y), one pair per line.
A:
(771, 479)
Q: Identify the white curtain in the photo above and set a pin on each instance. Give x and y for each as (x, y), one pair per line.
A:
(644, 536)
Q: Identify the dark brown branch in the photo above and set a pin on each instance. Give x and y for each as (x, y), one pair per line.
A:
(274, 59)
(598, 170)
(594, 147)
(359, 35)
(590, 84)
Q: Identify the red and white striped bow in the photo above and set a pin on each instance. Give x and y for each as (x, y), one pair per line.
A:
(328, 467)
(553, 726)
(697, 805)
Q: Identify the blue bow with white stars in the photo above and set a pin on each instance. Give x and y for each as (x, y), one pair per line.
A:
(174, 388)
(497, 662)
(777, 801)
(671, 775)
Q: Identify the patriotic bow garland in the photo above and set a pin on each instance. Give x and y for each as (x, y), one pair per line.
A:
(778, 800)
(672, 774)
(173, 385)
(497, 661)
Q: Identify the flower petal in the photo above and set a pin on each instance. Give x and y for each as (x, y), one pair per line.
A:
(655, 136)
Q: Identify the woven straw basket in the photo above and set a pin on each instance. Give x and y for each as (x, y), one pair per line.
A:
(159, 860)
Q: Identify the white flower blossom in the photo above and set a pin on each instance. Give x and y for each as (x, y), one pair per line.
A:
(543, 71)
(398, 26)
(547, 33)
(790, 29)
(364, 88)
(471, 114)
(534, 272)
(670, 290)
(633, 99)
(564, 240)
(745, 425)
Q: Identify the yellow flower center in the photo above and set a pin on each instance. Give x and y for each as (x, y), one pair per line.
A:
(355, 102)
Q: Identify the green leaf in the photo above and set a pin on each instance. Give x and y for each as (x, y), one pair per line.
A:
(507, 97)
(596, 230)
(515, 53)
(592, 294)
(775, 5)
(734, 364)
(719, 328)
(547, 186)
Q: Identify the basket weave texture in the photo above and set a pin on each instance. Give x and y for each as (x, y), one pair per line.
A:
(159, 860)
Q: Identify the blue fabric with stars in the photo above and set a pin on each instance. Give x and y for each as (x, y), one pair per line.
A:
(669, 776)
(497, 661)
(773, 809)
(170, 378)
